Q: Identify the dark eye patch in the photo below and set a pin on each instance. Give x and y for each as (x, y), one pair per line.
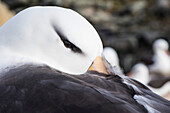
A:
(68, 44)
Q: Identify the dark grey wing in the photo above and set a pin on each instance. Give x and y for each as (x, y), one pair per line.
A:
(112, 89)
(31, 89)
(151, 101)
(145, 97)
(122, 89)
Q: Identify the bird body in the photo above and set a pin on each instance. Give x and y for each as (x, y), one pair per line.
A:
(31, 88)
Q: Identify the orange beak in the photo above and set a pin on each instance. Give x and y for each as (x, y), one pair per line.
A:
(130, 74)
(167, 52)
(98, 65)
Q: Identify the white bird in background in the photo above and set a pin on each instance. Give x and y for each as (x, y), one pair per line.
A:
(161, 58)
(111, 55)
(140, 72)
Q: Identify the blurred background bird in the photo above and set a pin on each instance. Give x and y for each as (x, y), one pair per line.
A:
(161, 58)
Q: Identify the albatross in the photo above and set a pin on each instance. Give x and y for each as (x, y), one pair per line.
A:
(45, 53)
(160, 69)
(161, 58)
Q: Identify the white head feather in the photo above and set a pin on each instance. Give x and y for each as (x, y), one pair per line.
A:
(160, 45)
(52, 36)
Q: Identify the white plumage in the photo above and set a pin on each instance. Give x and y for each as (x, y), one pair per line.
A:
(161, 58)
(37, 39)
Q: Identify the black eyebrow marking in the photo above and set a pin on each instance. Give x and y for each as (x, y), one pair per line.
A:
(67, 43)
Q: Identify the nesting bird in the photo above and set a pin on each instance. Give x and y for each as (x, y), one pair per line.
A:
(45, 55)
(161, 58)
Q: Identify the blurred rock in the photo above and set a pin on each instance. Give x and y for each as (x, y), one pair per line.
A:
(161, 9)
(138, 6)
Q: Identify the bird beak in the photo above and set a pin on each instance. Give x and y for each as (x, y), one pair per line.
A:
(98, 65)
(130, 74)
(167, 52)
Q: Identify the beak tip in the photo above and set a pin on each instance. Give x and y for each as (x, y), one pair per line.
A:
(98, 65)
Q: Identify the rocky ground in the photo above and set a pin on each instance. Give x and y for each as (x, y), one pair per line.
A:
(129, 26)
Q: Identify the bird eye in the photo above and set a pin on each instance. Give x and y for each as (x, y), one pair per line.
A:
(67, 43)
(70, 45)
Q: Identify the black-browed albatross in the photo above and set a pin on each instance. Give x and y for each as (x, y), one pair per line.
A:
(160, 69)
(45, 53)
(161, 58)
